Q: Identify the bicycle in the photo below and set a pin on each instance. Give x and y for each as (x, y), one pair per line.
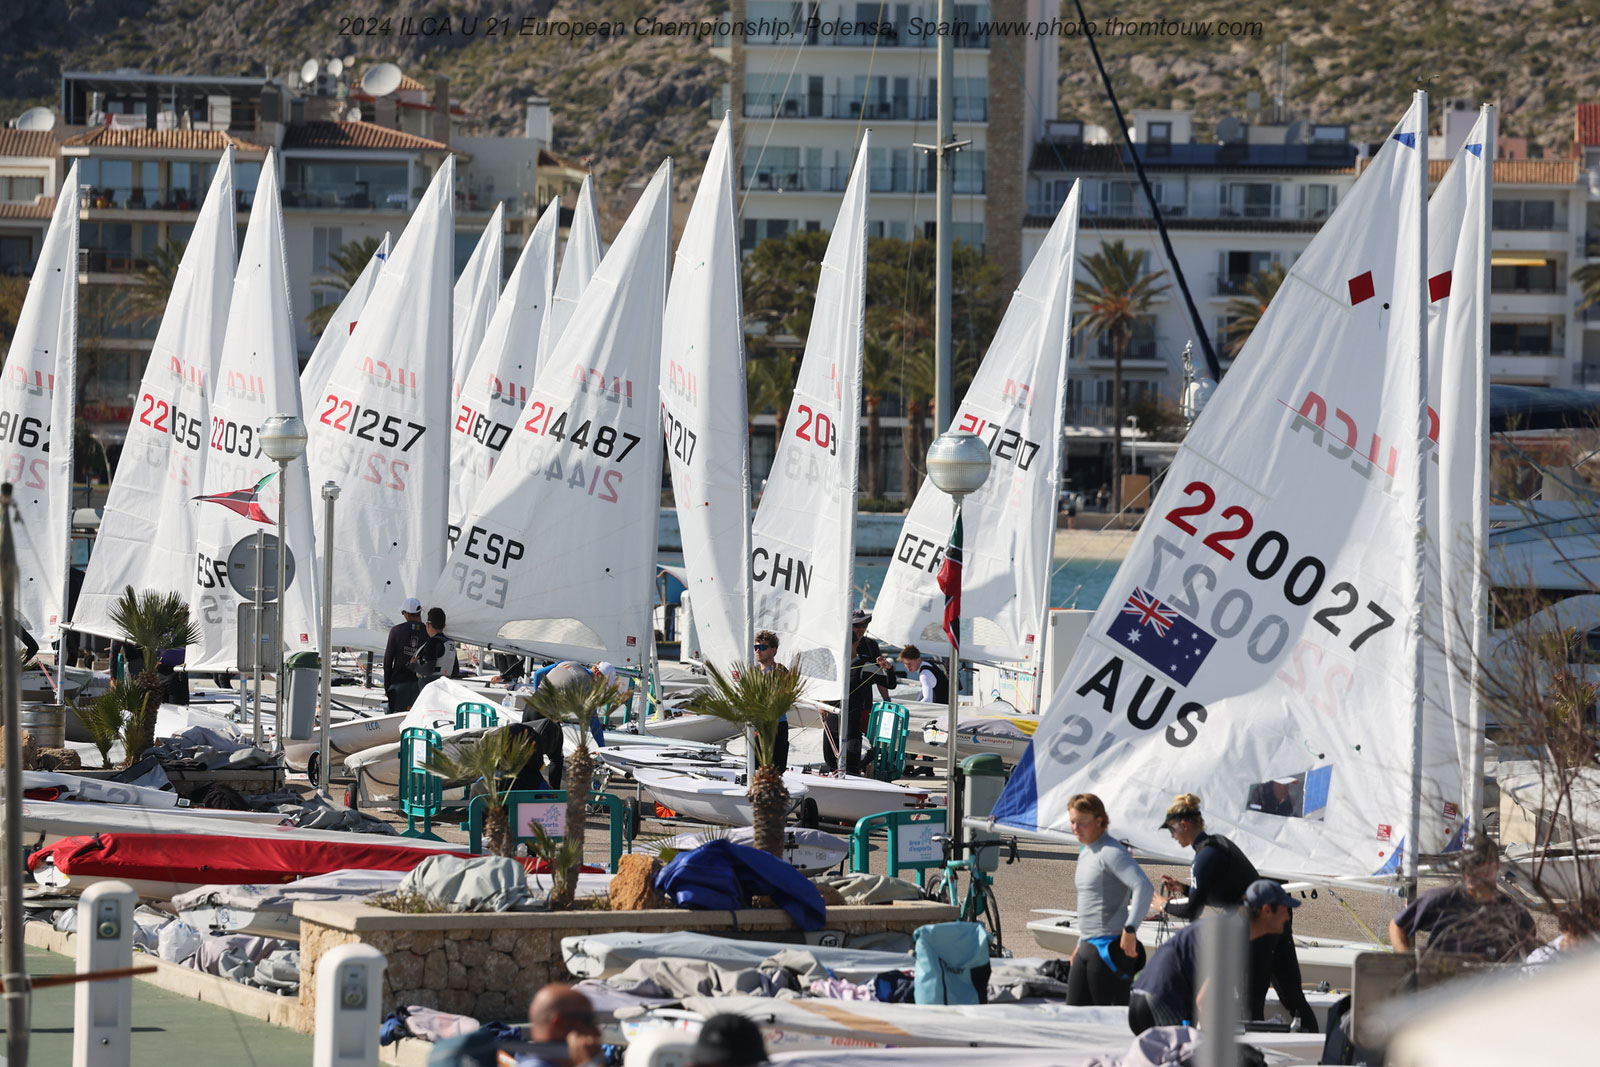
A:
(978, 904)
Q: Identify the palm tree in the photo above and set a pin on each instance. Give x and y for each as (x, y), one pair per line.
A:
(769, 385)
(877, 380)
(350, 261)
(107, 716)
(1588, 279)
(152, 622)
(497, 757)
(574, 704)
(13, 291)
(756, 698)
(148, 300)
(1117, 295)
(916, 387)
(1246, 309)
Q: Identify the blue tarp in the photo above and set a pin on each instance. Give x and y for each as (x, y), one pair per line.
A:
(723, 876)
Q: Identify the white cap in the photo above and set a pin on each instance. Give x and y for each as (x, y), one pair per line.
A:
(412, 605)
(608, 670)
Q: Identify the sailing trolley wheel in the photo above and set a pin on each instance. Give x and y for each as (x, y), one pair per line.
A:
(810, 816)
(314, 769)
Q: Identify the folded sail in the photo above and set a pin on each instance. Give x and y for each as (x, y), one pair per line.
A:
(1458, 292)
(240, 489)
(558, 553)
(343, 323)
(704, 412)
(1256, 646)
(380, 428)
(803, 557)
(1015, 405)
(496, 382)
(36, 411)
(579, 260)
(476, 293)
(147, 532)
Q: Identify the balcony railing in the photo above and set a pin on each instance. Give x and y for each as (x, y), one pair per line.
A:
(768, 178)
(1138, 348)
(109, 261)
(357, 197)
(1591, 245)
(127, 198)
(1590, 314)
(800, 105)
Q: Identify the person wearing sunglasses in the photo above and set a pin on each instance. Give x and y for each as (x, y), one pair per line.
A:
(766, 648)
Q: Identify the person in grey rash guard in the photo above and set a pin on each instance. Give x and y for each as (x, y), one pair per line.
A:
(1113, 896)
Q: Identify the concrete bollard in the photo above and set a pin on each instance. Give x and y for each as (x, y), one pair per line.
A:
(102, 1012)
(349, 1007)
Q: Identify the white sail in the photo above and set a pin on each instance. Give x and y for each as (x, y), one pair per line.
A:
(380, 429)
(558, 553)
(1015, 405)
(495, 385)
(803, 558)
(36, 412)
(337, 333)
(703, 412)
(147, 532)
(240, 488)
(476, 293)
(579, 260)
(1260, 631)
(1458, 291)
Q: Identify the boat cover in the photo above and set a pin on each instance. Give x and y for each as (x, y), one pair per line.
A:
(605, 955)
(325, 888)
(722, 876)
(162, 857)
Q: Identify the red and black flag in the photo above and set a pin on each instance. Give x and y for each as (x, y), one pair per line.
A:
(950, 586)
(246, 502)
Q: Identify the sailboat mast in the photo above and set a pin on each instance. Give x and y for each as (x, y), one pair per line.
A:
(1413, 838)
(1480, 502)
(944, 382)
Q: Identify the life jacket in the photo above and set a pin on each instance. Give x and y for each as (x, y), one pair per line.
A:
(941, 682)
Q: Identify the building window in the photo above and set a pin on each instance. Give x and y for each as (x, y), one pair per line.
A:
(1525, 215)
(1158, 139)
(1521, 339)
(1248, 200)
(21, 188)
(1116, 200)
(968, 233)
(1522, 276)
(1141, 346)
(16, 254)
(968, 171)
(1235, 268)
(325, 244)
(1318, 201)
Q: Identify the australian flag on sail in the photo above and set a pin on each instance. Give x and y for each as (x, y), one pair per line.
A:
(1161, 637)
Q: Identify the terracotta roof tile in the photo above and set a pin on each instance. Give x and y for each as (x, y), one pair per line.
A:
(171, 140)
(408, 82)
(1519, 171)
(356, 135)
(1587, 121)
(40, 209)
(28, 143)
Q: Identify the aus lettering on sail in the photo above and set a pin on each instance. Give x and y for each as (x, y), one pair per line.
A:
(1343, 442)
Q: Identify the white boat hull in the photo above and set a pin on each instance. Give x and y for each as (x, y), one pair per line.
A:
(707, 798)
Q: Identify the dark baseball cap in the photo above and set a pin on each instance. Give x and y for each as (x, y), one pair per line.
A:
(1264, 891)
(728, 1041)
(1174, 816)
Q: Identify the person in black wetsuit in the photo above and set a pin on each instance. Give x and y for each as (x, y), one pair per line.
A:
(399, 678)
(1221, 874)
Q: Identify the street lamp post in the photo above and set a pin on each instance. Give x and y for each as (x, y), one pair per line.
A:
(958, 464)
(283, 439)
(330, 493)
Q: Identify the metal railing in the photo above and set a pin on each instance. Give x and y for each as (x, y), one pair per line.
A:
(769, 178)
(110, 261)
(852, 107)
(345, 197)
(138, 198)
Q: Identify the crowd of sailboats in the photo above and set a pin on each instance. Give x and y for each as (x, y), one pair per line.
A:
(1281, 616)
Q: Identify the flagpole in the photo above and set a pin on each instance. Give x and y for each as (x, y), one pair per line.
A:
(952, 818)
(1413, 842)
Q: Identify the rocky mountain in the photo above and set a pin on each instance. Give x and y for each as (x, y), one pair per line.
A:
(627, 100)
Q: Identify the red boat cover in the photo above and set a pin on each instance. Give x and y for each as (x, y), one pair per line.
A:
(207, 859)
(211, 859)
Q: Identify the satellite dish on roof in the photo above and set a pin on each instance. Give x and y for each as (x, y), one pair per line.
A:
(1229, 130)
(1295, 132)
(381, 80)
(37, 118)
(335, 67)
(308, 71)
(353, 115)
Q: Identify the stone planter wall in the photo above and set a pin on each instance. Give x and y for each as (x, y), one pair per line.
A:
(490, 965)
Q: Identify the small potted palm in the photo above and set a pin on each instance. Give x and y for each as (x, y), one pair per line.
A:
(152, 622)
(758, 699)
(574, 704)
(497, 757)
(106, 718)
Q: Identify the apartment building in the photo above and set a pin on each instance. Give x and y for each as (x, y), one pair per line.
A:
(811, 77)
(1255, 196)
(351, 166)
